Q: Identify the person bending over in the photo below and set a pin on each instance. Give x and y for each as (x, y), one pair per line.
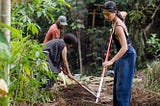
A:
(56, 52)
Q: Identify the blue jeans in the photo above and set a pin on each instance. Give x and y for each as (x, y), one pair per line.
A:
(124, 70)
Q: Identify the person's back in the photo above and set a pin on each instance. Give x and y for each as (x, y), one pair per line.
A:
(54, 30)
(53, 33)
(55, 47)
(56, 52)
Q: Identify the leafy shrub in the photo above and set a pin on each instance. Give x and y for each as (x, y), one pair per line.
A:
(154, 46)
(96, 50)
(153, 73)
(23, 65)
(35, 17)
(28, 70)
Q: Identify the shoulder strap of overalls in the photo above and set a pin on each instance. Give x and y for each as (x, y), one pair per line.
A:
(126, 33)
(113, 28)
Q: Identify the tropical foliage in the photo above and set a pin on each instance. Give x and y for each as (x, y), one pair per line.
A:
(28, 68)
(31, 20)
(153, 43)
(23, 55)
(35, 17)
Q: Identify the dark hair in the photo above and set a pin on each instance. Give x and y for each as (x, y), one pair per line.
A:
(111, 7)
(70, 38)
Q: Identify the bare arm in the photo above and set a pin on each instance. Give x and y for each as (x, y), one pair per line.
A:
(65, 61)
(124, 14)
(122, 39)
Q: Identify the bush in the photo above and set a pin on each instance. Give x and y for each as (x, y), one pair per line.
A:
(154, 45)
(153, 73)
(28, 71)
(23, 66)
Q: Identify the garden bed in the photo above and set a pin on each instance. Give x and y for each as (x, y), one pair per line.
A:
(75, 95)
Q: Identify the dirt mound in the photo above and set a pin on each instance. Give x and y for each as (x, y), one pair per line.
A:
(74, 95)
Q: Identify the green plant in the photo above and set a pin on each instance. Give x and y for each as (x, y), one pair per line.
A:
(28, 68)
(5, 57)
(153, 73)
(35, 17)
(154, 45)
(96, 49)
(137, 16)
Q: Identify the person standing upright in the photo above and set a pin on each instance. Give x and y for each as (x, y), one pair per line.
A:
(54, 30)
(125, 59)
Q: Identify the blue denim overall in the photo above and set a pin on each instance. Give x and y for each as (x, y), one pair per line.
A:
(123, 75)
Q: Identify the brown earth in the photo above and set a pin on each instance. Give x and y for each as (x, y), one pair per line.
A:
(75, 95)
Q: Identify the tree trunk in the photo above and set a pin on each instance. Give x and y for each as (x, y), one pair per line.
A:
(79, 50)
(5, 16)
(5, 12)
(153, 26)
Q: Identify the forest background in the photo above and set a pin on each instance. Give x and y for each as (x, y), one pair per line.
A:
(22, 62)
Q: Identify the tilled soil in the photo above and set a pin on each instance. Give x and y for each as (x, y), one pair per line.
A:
(75, 95)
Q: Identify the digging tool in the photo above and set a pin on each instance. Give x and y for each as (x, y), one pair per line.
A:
(72, 78)
(104, 69)
(91, 92)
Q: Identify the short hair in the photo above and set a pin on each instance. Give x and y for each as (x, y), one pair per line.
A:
(70, 38)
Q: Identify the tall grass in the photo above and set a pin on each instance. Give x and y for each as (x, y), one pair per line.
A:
(153, 76)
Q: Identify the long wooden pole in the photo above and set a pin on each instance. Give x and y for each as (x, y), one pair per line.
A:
(105, 69)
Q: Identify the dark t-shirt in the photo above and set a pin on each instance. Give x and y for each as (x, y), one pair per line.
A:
(54, 49)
